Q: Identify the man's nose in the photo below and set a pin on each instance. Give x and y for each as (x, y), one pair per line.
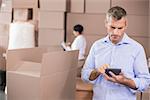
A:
(116, 31)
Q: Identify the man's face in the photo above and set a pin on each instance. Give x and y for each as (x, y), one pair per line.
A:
(115, 29)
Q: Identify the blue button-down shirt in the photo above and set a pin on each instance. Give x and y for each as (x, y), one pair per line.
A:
(128, 55)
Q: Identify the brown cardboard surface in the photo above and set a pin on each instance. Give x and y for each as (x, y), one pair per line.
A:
(5, 18)
(26, 87)
(137, 7)
(4, 42)
(81, 63)
(54, 20)
(32, 4)
(20, 14)
(77, 6)
(137, 25)
(24, 3)
(55, 81)
(84, 95)
(62, 58)
(53, 5)
(60, 86)
(28, 54)
(97, 6)
(138, 96)
(6, 6)
(50, 36)
(4, 29)
(82, 86)
(146, 95)
(96, 26)
(28, 68)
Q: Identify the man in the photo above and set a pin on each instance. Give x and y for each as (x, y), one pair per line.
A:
(116, 50)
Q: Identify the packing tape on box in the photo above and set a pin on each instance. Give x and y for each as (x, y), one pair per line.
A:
(21, 35)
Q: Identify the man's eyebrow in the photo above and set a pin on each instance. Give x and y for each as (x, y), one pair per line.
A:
(116, 27)
(113, 27)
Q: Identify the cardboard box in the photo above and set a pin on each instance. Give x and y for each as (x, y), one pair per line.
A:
(28, 54)
(27, 4)
(83, 90)
(6, 6)
(97, 6)
(5, 18)
(53, 5)
(138, 96)
(47, 80)
(96, 26)
(137, 25)
(136, 7)
(24, 3)
(50, 36)
(4, 42)
(53, 20)
(25, 14)
(4, 29)
(146, 95)
(20, 14)
(77, 6)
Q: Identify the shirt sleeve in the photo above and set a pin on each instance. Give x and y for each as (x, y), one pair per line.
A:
(142, 76)
(88, 66)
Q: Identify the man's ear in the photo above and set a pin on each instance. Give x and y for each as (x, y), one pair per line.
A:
(105, 22)
(126, 24)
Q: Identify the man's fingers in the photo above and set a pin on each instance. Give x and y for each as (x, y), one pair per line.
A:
(112, 74)
(102, 68)
(105, 66)
(109, 78)
(106, 76)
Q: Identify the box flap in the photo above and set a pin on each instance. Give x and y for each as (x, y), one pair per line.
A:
(54, 62)
(27, 68)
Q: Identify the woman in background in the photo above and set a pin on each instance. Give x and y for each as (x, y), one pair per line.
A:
(79, 42)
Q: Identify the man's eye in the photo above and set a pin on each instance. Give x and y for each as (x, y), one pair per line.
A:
(113, 27)
(120, 27)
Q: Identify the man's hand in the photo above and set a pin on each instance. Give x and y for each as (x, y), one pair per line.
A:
(115, 78)
(102, 68)
(95, 73)
(121, 79)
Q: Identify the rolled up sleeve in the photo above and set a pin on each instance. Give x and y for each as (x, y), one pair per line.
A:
(142, 76)
(89, 66)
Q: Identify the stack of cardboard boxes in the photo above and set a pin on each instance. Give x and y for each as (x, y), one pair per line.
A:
(22, 9)
(51, 22)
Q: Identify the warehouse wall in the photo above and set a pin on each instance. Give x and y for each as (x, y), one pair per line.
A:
(93, 16)
(54, 23)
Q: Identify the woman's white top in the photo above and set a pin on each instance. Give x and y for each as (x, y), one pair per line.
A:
(79, 43)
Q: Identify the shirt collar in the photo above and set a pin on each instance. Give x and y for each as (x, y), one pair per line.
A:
(125, 40)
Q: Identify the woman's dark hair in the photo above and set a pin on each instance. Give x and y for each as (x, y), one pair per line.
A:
(78, 28)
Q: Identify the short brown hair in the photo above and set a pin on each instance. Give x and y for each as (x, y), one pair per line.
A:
(116, 12)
